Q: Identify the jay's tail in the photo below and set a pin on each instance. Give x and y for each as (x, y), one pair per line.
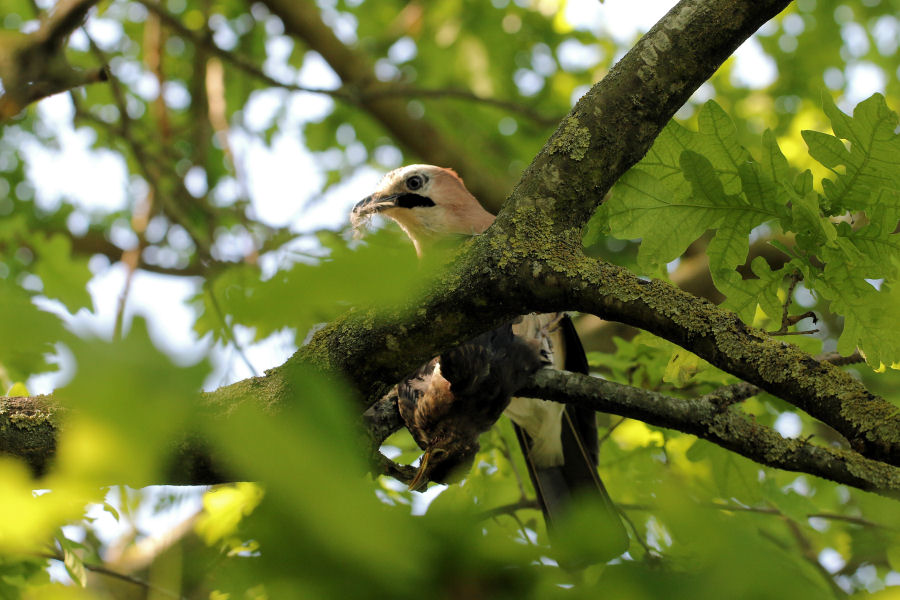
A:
(557, 486)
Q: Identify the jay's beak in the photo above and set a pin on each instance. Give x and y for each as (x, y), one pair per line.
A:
(369, 207)
(373, 204)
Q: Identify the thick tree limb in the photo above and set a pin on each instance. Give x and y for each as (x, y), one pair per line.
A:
(28, 430)
(612, 126)
(710, 418)
(30, 427)
(870, 424)
(531, 257)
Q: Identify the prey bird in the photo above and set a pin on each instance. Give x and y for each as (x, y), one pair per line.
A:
(453, 398)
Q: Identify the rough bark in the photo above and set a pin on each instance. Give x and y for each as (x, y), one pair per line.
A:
(870, 424)
(714, 418)
(30, 427)
(28, 430)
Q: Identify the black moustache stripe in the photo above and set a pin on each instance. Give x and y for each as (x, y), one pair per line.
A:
(413, 200)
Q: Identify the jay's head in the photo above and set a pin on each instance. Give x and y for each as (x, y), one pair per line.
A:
(430, 204)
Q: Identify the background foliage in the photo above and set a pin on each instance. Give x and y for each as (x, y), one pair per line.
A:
(761, 193)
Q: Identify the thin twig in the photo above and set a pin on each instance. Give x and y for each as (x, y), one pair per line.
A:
(728, 395)
(809, 554)
(504, 449)
(353, 96)
(853, 566)
(508, 509)
(804, 332)
(403, 473)
(153, 59)
(131, 259)
(416, 92)
(143, 209)
(100, 569)
(649, 552)
(229, 333)
(523, 529)
(609, 431)
(788, 320)
(842, 361)
(149, 164)
(765, 510)
(789, 297)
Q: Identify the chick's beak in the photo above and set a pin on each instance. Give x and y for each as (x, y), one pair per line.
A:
(420, 481)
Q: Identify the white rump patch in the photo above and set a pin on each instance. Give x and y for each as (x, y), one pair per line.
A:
(542, 421)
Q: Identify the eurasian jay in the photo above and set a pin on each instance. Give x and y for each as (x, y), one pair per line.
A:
(455, 397)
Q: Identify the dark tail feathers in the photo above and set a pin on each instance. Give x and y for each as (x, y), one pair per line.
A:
(556, 486)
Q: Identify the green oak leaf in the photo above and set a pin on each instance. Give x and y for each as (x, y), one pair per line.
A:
(871, 311)
(27, 332)
(743, 295)
(64, 276)
(871, 174)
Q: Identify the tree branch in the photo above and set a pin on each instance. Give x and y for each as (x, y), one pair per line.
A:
(34, 66)
(137, 581)
(302, 19)
(343, 93)
(870, 424)
(706, 418)
(64, 18)
(405, 91)
(32, 424)
(532, 259)
(767, 510)
(30, 427)
(93, 243)
(613, 126)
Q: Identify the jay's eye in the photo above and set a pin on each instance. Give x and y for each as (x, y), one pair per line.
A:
(415, 182)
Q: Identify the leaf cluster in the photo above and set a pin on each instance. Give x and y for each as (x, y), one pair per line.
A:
(840, 241)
